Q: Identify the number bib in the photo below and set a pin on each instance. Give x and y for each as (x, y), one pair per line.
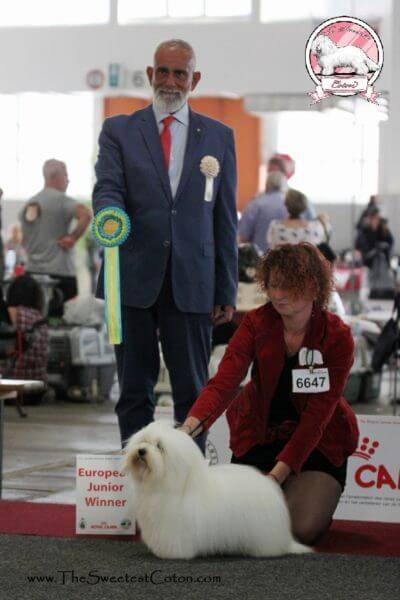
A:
(305, 382)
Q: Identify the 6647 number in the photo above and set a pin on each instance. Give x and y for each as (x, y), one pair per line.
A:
(309, 382)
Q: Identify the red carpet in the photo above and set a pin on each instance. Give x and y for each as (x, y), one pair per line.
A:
(58, 520)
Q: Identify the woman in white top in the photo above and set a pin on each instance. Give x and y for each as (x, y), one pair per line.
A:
(295, 229)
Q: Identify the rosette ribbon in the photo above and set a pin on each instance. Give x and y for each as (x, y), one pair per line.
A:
(209, 166)
(111, 227)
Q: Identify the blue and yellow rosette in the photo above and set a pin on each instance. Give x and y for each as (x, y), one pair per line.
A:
(111, 226)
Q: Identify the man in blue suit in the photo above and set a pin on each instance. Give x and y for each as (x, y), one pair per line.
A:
(178, 267)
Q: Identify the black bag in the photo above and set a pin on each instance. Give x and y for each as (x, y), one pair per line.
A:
(388, 341)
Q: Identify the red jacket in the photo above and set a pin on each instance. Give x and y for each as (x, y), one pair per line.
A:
(326, 421)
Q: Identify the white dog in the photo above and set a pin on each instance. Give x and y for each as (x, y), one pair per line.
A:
(330, 56)
(186, 508)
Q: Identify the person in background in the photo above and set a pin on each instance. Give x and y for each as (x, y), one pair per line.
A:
(259, 213)
(374, 237)
(301, 440)
(286, 165)
(372, 205)
(277, 164)
(46, 228)
(15, 258)
(295, 228)
(25, 310)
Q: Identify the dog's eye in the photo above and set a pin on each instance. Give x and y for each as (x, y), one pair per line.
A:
(160, 446)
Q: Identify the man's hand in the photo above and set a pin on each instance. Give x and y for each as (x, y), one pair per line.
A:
(66, 242)
(222, 314)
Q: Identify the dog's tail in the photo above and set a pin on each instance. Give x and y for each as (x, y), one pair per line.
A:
(372, 66)
(297, 548)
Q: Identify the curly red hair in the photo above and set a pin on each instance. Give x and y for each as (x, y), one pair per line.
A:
(300, 268)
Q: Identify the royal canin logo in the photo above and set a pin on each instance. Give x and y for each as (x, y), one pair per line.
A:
(369, 475)
(367, 449)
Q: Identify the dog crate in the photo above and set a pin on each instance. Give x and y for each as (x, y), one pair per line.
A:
(81, 364)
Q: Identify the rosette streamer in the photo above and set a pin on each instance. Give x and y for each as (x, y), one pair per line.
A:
(111, 226)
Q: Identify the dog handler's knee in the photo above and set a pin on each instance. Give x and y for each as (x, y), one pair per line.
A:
(307, 533)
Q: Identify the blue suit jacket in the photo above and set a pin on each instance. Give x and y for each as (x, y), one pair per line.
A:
(199, 235)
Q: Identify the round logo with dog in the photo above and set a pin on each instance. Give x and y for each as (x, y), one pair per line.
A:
(344, 57)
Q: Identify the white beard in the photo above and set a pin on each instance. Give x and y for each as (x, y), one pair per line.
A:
(186, 509)
(169, 103)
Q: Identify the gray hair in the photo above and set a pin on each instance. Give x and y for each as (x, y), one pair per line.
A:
(175, 43)
(276, 181)
(52, 167)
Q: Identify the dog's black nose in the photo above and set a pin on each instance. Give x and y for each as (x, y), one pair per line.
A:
(142, 451)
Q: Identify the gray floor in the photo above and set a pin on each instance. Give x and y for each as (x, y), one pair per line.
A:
(39, 451)
(103, 569)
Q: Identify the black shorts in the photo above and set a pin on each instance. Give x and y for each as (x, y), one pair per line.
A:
(263, 457)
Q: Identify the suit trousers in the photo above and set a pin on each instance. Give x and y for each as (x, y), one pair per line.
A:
(186, 345)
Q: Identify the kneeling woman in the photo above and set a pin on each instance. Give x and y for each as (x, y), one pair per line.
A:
(290, 420)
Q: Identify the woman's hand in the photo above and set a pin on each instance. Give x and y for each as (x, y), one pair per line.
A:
(280, 472)
(190, 425)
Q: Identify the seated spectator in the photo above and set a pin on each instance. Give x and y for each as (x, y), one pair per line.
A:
(25, 306)
(259, 213)
(295, 228)
(374, 238)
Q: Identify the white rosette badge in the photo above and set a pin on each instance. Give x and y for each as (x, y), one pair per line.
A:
(209, 166)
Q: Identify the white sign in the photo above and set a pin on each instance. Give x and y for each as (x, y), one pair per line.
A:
(372, 491)
(307, 381)
(104, 496)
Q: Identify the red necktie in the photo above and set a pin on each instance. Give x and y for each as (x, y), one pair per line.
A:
(165, 138)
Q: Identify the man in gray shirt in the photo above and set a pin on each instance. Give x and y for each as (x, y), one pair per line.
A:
(46, 220)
